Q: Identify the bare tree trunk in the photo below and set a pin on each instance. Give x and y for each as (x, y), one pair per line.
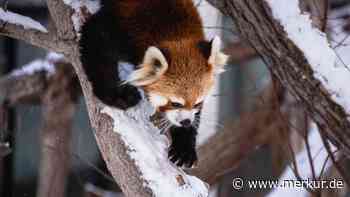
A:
(58, 110)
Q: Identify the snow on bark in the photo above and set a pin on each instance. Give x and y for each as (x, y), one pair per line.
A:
(40, 65)
(149, 149)
(319, 155)
(79, 6)
(333, 75)
(16, 19)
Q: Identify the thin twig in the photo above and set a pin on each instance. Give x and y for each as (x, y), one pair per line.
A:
(335, 163)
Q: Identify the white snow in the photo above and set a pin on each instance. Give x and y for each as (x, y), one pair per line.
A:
(47, 65)
(77, 5)
(149, 149)
(52, 56)
(125, 69)
(333, 75)
(16, 19)
(319, 155)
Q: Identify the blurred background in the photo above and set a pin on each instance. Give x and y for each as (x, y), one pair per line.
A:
(244, 104)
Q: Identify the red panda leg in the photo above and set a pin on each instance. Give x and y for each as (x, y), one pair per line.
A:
(100, 46)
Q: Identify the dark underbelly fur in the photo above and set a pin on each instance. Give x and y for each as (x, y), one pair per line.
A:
(102, 45)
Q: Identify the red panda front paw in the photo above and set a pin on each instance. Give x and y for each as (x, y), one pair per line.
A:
(182, 156)
(182, 151)
(123, 97)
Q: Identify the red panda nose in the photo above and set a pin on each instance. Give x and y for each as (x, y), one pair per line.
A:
(186, 123)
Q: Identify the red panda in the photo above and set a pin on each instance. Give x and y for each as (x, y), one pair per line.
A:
(176, 66)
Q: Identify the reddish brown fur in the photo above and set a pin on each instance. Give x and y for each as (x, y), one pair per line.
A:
(151, 22)
(175, 27)
(189, 76)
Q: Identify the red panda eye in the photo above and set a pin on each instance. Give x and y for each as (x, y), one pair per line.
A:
(176, 105)
(198, 105)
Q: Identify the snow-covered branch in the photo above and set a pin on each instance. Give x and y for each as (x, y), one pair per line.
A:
(25, 22)
(315, 46)
(148, 149)
(82, 10)
(27, 84)
(300, 57)
(28, 30)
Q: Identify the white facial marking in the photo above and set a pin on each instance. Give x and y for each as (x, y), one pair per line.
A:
(157, 100)
(177, 115)
(177, 100)
(200, 99)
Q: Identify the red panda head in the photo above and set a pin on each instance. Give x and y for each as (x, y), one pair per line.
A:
(178, 76)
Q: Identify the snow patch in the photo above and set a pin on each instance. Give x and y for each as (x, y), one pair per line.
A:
(16, 19)
(149, 149)
(47, 65)
(52, 56)
(334, 76)
(125, 69)
(78, 6)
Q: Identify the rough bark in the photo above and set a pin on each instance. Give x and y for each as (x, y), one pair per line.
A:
(112, 147)
(287, 62)
(48, 41)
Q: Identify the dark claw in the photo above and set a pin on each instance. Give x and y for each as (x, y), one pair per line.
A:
(182, 151)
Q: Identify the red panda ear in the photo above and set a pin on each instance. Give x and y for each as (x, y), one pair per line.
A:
(154, 65)
(217, 58)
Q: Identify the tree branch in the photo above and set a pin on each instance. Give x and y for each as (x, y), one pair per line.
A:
(60, 12)
(47, 41)
(28, 84)
(59, 103)
(22, 89)
(288, 63)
